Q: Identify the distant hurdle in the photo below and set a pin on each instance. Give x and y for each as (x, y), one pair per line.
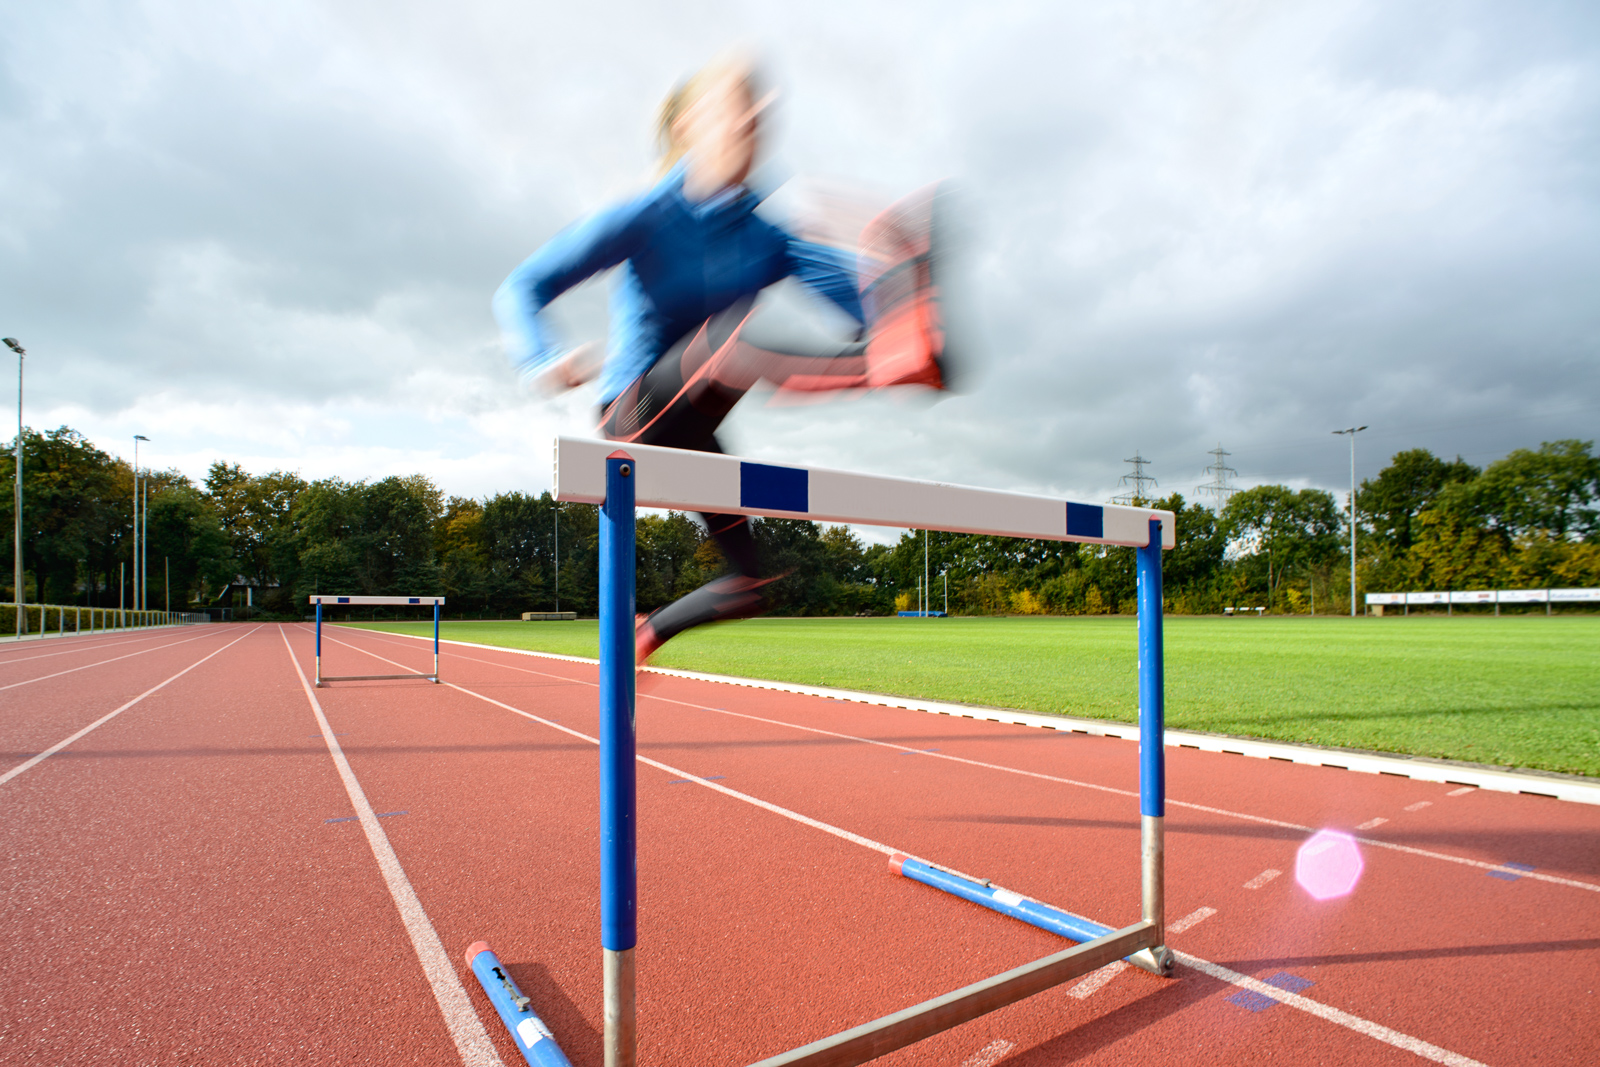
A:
(623, 479)
(378, 601)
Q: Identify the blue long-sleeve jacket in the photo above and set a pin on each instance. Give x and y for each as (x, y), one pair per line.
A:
(681, 261)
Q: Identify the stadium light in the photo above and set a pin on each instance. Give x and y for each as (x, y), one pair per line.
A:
(1351, 433)
(16, 543)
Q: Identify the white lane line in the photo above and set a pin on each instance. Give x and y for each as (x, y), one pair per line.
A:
(1372, 824)
(1293, 1000)
(9, 660)
(466, 1030)
(1094, 981)
(1376, 1031)
(989, 1055)
(1419, 805)
(1224, 812)
(103, 662)
(1463, 791)
(1322, 1011)
(1262, 879)
(29, 764)
(1194, 918)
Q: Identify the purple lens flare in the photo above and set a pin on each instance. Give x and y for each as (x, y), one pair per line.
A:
(1329, 865)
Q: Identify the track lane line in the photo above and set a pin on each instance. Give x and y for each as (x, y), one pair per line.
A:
(33, 762)
(103, 662)
(1327, 1013)
(466, 1029)
(1258, 819)
(6, 661)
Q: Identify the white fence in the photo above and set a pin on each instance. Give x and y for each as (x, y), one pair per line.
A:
(1483, 597)
(58, 620)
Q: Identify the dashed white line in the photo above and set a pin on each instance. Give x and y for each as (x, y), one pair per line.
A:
(1372, 823)
(1199, 915)
(1419, 805)
(1259, 820)
(989, 1055)
(1322, 1011)
(1463, 791)
(1262, 879)
(1095, 981)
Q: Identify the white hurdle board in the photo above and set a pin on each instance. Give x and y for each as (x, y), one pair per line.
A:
(704, 481)
(376, 601)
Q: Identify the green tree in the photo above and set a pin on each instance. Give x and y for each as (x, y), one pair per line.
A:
(1275, 530)
(1411, 482)
(1554, 489)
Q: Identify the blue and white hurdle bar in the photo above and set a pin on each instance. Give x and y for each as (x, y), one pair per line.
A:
(621, 480)
(378, 601)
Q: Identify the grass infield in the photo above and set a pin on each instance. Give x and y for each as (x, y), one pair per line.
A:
(1521, 691)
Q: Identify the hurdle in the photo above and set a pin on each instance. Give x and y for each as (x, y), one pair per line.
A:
(621, 480)
(378, 601)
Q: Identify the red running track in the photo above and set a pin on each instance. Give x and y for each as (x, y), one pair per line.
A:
(174, 891)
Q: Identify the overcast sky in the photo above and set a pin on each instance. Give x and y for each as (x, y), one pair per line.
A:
(268, 233)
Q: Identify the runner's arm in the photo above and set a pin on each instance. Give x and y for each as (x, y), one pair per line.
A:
(829, 272)
(575, 254)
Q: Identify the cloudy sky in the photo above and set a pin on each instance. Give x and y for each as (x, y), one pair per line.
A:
(268, 233)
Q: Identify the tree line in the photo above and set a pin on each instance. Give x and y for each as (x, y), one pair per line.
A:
(1529, 519)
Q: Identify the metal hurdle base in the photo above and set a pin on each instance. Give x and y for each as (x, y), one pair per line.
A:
(885, 1035)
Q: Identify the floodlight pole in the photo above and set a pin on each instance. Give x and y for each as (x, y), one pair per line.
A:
(16, 544)
(1351, 433)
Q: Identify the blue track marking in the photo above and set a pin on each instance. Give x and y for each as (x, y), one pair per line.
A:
(1507, 876)
(762, 485)
(353, 818)
(1289, 983)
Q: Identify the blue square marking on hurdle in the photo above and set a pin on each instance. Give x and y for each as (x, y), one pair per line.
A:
(1507, 876)
(1085, 520)
(344, 600)
(762, 485)
(414, 600)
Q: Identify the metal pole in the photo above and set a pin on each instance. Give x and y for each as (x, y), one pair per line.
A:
(144, 550)
(166, 562)
(619, 875)
(435, 642)
(319, 644)
(1351, 433)
(136, 440)
(16, 544)
(927, 590)
(557, 561)
(1152, 755)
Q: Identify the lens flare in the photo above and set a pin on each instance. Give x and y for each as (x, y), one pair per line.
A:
(1329, 865)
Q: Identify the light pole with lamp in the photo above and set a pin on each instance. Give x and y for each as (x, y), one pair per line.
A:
(1351, 433)
(16, 545)
(138, 600)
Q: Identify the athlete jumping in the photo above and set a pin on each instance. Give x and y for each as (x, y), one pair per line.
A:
(683, 347)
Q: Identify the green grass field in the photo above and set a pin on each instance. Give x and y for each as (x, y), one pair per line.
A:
(1521, 691)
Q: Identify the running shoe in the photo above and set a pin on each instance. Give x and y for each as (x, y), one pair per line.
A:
(731, 597)
(900, 294)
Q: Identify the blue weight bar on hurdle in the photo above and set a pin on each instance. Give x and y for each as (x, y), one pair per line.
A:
(534, 1039)
(377, 601)
(621, 480)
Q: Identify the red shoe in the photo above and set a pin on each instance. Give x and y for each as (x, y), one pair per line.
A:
(900, 297)
(645, 641)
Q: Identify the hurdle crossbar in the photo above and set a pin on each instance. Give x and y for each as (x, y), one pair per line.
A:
(621, 480)
(378, 601)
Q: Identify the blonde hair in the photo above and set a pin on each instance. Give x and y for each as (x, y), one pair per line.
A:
(669, 143)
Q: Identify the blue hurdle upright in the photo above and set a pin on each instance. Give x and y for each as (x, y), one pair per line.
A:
(622, 480)
(378, 601)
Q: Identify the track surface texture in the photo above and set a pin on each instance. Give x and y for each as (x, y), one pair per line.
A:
(211, 876)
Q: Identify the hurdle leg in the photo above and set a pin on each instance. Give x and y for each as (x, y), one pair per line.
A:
(618, 814)
(319, 645)
(1152, 755)
(435, 642)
